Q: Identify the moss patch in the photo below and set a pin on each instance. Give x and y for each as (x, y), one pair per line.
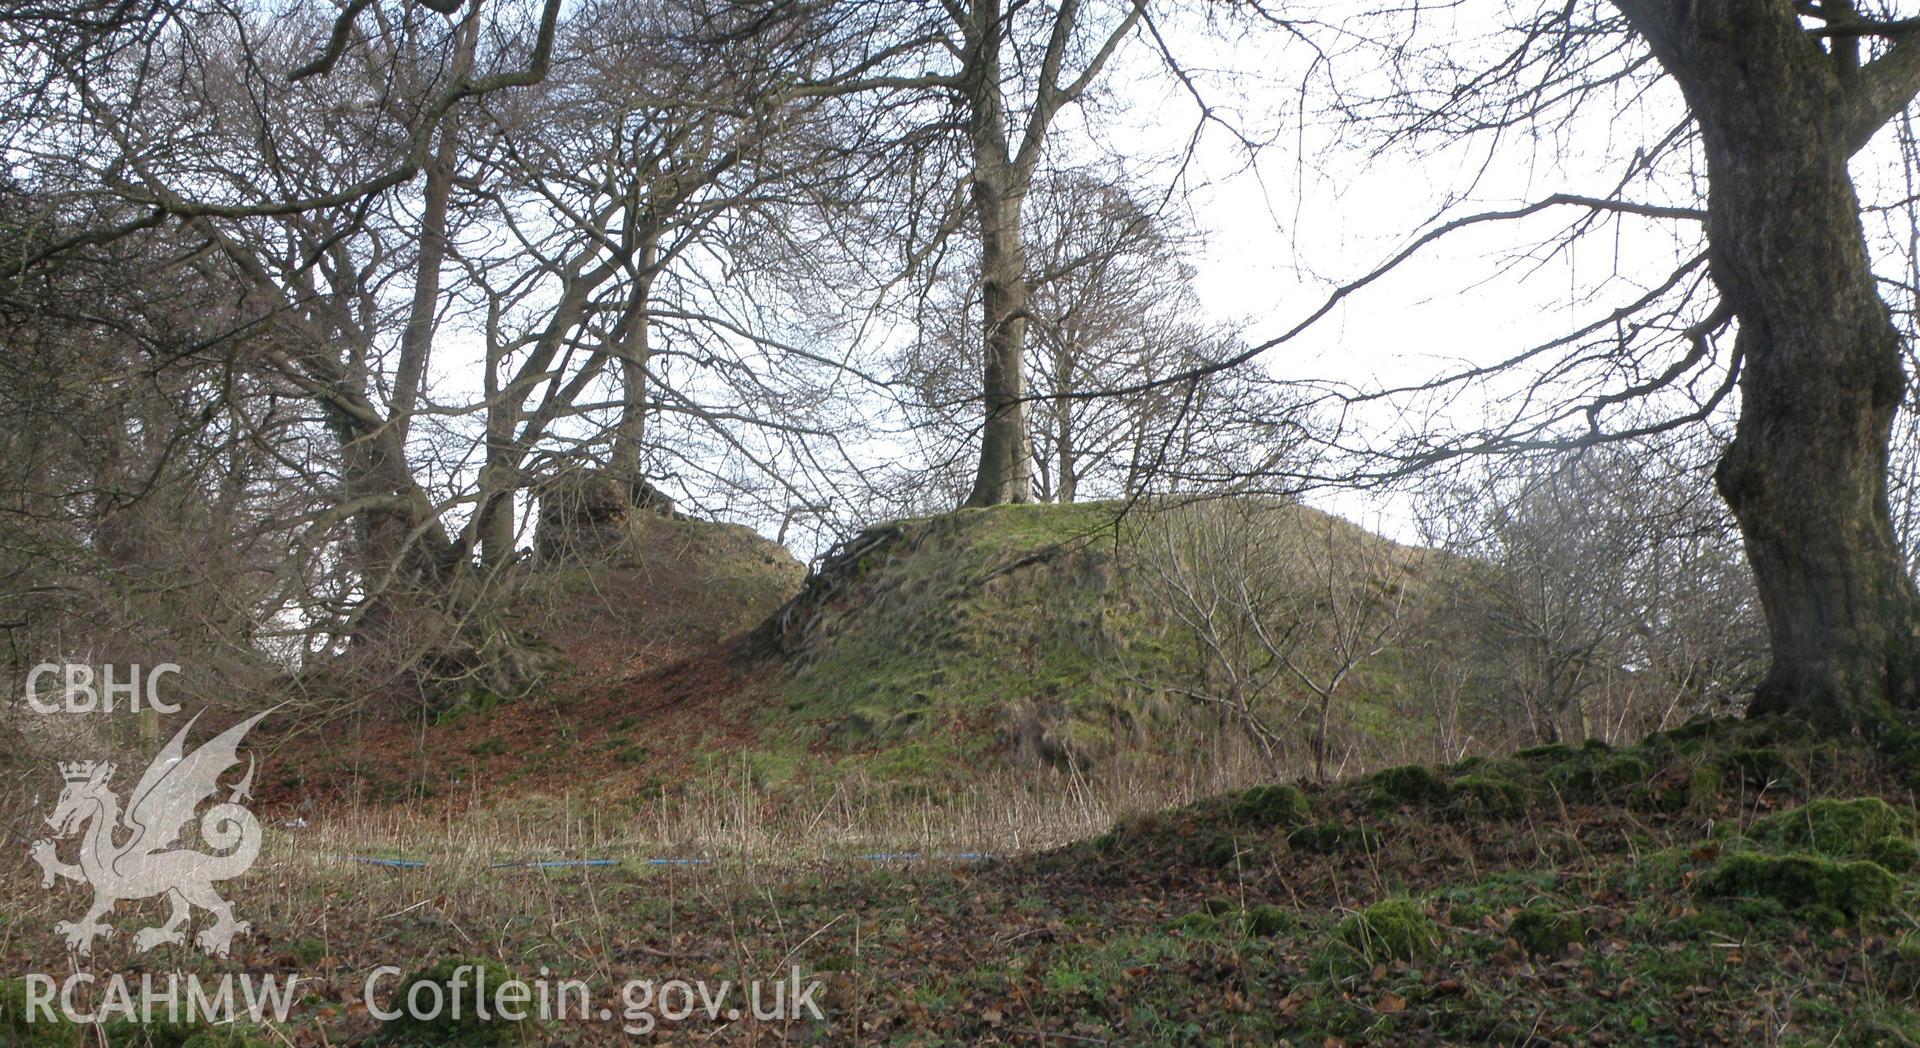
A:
(1545, 931)
(1273, 805)
(47, 1028)
(1407, 784)
(1704, 785)
(1846, 829)
(1598, 773)
(1036, 628)
(1488, 797)
(1759, 766)
(1263, 921)
(1391, 929)
(1853, 889)
(1327, 838)
(460, 986)
(1899, 854)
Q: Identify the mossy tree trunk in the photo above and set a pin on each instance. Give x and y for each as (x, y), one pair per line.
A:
(1780, 113)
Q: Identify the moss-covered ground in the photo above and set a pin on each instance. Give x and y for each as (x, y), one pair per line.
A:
(1023, 635)
(1747, 884)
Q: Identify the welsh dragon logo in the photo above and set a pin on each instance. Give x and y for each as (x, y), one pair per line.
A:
(131, 855)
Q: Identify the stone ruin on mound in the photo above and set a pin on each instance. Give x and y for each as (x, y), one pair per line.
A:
(586, 514)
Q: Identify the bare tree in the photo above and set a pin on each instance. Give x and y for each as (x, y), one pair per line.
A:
(1758, 109)
(1283, 608)
(145, 499)
(1349, 610)
(658, 158)
(81, 72)
(1112, 304)
(973, 91)
(540, 224)
(1600, 592)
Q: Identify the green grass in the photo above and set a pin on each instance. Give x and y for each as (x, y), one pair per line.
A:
(1604, 916)
(1020, 633)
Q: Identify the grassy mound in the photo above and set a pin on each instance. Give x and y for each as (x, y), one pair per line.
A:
(966, 616)
(1025, 633)
(641, 616)
(661, 577)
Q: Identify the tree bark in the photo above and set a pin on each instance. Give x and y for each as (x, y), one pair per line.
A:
(999, 192)
(499, 477)
(416, 340)
(1066, 449)
(1806, 474)
(1005, 473)
(635, 346)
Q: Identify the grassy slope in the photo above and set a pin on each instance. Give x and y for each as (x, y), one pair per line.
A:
(645, 635)
(931, 640)
(1006, 639)
(1559, 897)
(1555, 897)
(1010, 633)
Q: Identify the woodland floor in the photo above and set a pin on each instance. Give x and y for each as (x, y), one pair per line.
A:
(1557, 897)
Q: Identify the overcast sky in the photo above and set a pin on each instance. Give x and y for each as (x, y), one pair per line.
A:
(1319, 210)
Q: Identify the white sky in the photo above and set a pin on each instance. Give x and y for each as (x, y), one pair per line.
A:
(1317, 212)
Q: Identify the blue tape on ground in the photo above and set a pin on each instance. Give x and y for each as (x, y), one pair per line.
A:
(398, 864)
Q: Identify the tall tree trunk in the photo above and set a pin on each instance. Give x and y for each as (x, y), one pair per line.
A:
(499, 476)
(416, 339)
(630, 432)
(1065, 452)
(403, 545)
(1005, 473)
(999, 193)
(1806, 474)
